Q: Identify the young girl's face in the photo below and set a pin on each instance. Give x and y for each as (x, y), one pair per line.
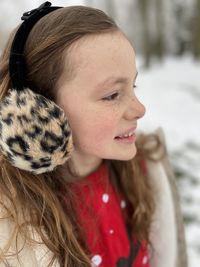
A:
(99, 100)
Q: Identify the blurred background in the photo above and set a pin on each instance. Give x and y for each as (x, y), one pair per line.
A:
(166, 38)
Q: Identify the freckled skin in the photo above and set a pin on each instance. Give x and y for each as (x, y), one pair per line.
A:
(95, 122)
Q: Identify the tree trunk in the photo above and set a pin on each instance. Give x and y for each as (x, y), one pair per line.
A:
(143, 6)
(159, 42)
(196, 31)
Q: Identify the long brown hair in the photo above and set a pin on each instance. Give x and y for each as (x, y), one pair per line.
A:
(37, 201)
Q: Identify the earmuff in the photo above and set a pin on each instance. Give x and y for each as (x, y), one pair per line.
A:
(34, 132)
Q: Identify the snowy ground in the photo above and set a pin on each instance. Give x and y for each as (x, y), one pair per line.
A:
(171, 93)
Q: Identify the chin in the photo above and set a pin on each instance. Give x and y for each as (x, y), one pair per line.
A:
(127, 156)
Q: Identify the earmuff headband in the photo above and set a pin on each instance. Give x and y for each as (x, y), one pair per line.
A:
(34, 131)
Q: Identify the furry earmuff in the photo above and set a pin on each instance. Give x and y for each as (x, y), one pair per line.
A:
(34, 132)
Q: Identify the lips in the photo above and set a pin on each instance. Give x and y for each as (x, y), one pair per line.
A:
(127, 133)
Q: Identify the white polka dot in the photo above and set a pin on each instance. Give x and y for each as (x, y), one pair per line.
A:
(96, 260)
(144, 260)
(111, 231)
(123, 204)
(105, 198)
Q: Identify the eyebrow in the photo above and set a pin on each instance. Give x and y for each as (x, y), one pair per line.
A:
(114, 80)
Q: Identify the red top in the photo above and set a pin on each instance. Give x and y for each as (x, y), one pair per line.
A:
(102, 213)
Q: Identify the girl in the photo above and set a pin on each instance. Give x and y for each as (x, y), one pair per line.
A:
(77, 188)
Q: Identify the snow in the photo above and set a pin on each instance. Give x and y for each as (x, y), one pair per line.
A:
(170, 92)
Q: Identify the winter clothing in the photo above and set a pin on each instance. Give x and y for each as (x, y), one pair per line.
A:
(103, 214)
(167, 233)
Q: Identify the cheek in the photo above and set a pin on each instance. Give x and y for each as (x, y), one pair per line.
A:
(104, 127)
(93, 128)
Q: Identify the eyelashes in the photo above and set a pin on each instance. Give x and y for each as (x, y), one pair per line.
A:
(111, 97)
(114, 96)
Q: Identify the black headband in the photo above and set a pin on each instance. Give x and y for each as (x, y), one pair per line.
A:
(17, 60)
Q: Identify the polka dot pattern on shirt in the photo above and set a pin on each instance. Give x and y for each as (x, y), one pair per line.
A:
(105, 198)
(104, 223)
(123, 204)
(96, 260)
(145, 260)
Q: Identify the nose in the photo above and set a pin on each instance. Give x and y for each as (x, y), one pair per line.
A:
(135, 110)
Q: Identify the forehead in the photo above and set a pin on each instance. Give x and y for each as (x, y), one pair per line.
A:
(97, 57)
(93, 49)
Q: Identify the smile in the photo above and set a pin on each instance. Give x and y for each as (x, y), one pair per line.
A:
(126, 139)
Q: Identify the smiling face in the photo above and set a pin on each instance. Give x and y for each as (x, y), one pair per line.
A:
(99, 101)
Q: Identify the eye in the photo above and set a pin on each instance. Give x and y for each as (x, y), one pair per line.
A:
(111, 97)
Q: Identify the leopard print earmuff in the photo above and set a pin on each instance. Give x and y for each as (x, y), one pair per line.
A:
(34, 132)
